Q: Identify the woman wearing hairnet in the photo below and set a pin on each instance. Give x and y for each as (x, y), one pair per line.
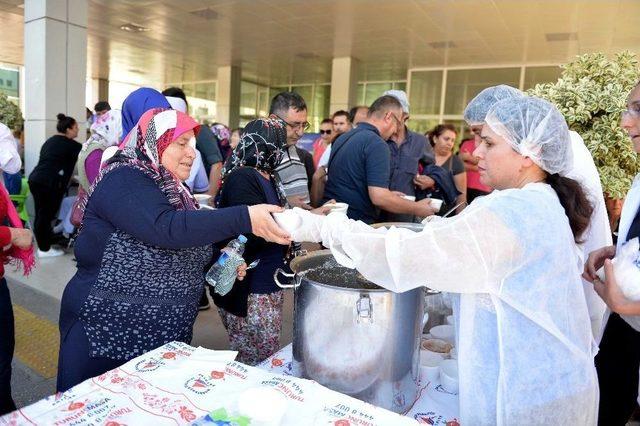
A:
(525, 346)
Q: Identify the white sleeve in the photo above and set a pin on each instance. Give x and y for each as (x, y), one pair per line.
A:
(201, 181)
(469, 253)
(324, 158)
(10, 161)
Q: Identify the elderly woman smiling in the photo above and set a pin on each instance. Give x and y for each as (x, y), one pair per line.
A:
(142, 249)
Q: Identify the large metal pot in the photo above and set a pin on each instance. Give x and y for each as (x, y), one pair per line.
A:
(354, 337)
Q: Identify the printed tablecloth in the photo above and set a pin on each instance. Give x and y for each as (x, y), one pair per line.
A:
(434, 406)
(179, 384)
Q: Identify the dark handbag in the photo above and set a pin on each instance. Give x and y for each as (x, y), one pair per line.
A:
(76, 210)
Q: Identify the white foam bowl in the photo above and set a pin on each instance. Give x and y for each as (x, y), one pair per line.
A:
(444, 332)
(436, 347)
(436, 204)
(202, 198)
(338, 207)
(449, 375)
(453, 353)
(429, 365)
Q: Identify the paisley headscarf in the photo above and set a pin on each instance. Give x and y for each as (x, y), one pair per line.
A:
(142, 149)
(223, 134)
(262, 147)
(106, 129)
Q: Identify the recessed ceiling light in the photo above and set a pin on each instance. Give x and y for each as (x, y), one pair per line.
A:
(133, 28)
(207, 14)
(561, 36)
(442, 44)
(307, 55)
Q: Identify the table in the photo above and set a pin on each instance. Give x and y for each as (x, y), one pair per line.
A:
(434, 406)
(179, 384)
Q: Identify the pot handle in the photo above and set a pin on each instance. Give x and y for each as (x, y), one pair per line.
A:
(364, 308)
(285, 286)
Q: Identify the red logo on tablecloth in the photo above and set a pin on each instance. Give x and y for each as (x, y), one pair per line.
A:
(114, 424)
(169, 355)
(217, 375)
(342, 422)
(453, 423)
(75, 406)
(186, 414)
(147, 365)
(199, 384)
(276, 362)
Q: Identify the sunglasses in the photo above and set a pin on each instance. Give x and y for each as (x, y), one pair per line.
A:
(325, 132)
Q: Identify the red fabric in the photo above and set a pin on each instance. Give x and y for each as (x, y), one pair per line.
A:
(5, 234)
(14, 255)
(473, 178)
(318, 149)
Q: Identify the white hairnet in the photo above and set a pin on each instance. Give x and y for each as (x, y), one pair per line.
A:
(536, 129)
(477, 109)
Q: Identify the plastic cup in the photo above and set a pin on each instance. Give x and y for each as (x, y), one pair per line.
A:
(340, 208)
(444, 332)
(449, 375)
(436, 204)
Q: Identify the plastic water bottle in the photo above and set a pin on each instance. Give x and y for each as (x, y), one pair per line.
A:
(223, 273)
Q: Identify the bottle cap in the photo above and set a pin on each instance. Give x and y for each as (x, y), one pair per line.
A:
(242, 238)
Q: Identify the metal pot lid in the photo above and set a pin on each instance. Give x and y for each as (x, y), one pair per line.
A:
(416, 227)
(320, 267)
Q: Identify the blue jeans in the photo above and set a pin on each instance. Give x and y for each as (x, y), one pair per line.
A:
(7, 344)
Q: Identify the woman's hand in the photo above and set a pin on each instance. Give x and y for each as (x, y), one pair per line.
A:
(241, 272)
(423, 182)
(610, 292)
(263, 225)
(596, 260)
(21, 238)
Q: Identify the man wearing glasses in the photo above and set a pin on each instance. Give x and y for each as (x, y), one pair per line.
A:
(358, 169)
(408, 149)
(296, 168)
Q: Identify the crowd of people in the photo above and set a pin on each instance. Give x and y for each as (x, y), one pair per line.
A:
(523, 196)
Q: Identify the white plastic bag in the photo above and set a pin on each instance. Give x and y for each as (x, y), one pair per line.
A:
(626, 266)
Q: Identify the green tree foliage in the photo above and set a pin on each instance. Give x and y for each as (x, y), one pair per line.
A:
(591, 93)
(10, 114)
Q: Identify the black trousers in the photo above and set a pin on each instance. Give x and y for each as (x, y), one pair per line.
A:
(617, 364)
(47, 201)
(7, 344)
